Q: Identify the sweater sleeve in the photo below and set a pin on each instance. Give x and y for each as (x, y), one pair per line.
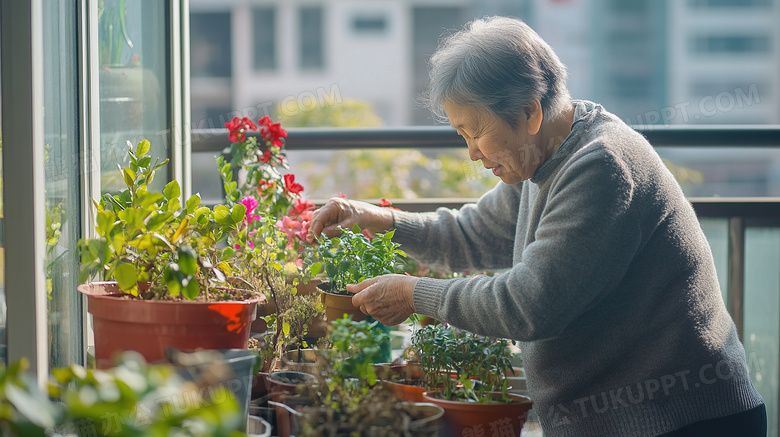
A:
(476, 237)
(588, 235)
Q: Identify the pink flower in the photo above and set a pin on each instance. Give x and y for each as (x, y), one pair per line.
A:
(342, 195)
(251, 244)
(237, 246)
(303, 234)
(290, 227)
(250, 203)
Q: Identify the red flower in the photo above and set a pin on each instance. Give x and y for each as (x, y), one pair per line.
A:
(272, 132)
(266, 158)
(300, 206)
(342, 195)
(290, 184)
(237, 128)
(385, 202)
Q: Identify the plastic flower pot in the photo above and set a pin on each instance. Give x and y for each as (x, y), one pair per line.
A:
(336, 305)
(462, 417)
(257, 427)
(238, 380)
(149, 327)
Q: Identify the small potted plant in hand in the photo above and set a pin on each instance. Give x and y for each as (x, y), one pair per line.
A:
(351, 258)
(170, 270)
(466, 375)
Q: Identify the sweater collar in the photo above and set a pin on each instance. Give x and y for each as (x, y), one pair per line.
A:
(584, 112)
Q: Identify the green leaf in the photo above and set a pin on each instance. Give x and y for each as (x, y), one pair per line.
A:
(192, 203)
(129, 176)
(143, 148)
(315, 268)
(181, 230)
(105, 222)
(145, 161)
(238, 213)
(356, 229)
(286, 329)
(191, 290)
(158, 220)
(172, 190)
(188, 261)
(126, 275)
(222, 217)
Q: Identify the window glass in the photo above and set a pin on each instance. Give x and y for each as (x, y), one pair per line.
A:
(134, 103)
(61, 164)
(211, 42)
(761, 331)
(3, 342)
(311, 55)
(264, 32)
(632, 56)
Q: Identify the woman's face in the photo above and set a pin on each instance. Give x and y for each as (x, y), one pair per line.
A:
(510, 153)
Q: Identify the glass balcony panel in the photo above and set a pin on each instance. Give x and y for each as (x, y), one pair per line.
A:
(761, 333)
(134, 84)
(63, 182)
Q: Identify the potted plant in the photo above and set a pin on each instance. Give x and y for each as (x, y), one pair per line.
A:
(477, 397)
(167, 270)
(270, 245)
(349, 259)
(346, 399)
(129, 400)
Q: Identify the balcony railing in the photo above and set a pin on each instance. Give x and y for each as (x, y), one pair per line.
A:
(744, 232)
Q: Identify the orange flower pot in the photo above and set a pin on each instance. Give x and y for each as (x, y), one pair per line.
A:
(463, 417)
(149, 327)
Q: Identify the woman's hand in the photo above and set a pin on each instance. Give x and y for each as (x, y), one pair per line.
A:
(347, 213)
(387, 298)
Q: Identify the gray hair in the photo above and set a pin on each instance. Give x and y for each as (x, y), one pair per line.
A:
(501, 65)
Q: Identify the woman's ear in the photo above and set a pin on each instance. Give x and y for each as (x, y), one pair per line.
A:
(534, 117)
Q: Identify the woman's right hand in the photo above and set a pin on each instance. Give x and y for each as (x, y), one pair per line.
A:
(338, 212)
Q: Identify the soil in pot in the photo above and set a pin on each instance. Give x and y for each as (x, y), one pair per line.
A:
(463, 417)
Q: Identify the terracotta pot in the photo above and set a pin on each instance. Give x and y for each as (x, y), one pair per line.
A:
(286, 382)
(284, 387)
(149, 327)
(461, 417)
(259, 385)
(336, 305)
(404, 392)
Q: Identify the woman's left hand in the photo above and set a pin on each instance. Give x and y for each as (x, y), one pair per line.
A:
(387, 298)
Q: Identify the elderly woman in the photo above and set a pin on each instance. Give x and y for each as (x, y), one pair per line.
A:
(611, 284)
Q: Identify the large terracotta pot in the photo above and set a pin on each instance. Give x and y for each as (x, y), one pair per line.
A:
(397, 382)
(462, 417)
(149, 327)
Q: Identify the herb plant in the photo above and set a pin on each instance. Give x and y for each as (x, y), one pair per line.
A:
(353, 257)
(480, 364)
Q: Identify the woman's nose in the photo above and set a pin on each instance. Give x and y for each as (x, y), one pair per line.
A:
(474, 153)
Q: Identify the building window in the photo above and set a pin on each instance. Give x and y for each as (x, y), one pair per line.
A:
(730, 44)
(364, 24)
(311, 55)
(264, 29)
(210, 43)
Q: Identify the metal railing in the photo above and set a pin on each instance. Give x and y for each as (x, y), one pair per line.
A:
(740, 212)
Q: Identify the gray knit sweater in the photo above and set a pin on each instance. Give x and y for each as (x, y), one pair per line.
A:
(611, 287)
